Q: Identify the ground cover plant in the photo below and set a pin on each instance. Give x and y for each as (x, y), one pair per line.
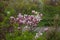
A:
(29, 19)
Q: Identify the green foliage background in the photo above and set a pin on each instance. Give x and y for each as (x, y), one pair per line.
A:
(25, 7)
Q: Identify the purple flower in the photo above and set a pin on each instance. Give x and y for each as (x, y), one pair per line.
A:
(20, 15)
(31, 20)
(22, 21)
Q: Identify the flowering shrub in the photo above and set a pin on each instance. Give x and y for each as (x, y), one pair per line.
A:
(28, 20)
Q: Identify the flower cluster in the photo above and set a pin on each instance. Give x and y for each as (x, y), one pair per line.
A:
(31, 20)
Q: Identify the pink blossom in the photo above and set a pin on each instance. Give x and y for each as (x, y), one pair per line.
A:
(31, 20)
(22, 21)
(33, 11)
(41, 14)
(20, 15)
(17, 19)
